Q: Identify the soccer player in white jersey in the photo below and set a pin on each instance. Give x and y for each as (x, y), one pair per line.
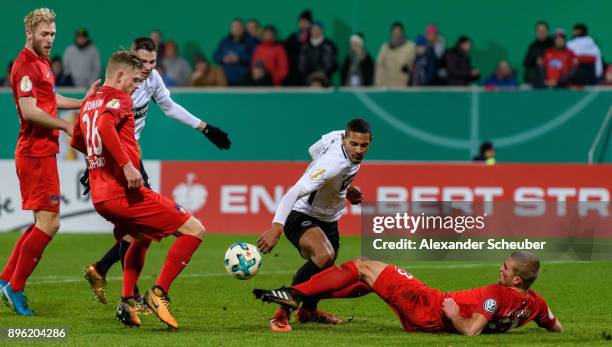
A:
(153, 88)
(308, 214)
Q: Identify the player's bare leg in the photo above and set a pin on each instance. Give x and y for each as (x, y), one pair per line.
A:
(32, 248)
(189, 237)
(315, 247)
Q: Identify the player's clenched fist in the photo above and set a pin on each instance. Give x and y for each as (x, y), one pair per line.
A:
(269, 238)
(133, 176)
(353, 195)
(450, 307)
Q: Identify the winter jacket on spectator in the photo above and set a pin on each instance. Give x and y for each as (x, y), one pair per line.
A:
(212, 77)
(424, 69)
(273, 56)
(293, 47)
(243, 49)
(533, 71)
(393, 64)
(82, 64)
(458, 67)
(587, 52)
(494, 81)
(558, 63)
(177, 69)
(320, 56)
(357, 71)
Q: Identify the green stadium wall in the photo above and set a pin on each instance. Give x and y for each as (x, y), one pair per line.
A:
(500, 30)
(526, 126)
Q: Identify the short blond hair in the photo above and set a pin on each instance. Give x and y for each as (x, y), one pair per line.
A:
(121, 59)
(37, 16)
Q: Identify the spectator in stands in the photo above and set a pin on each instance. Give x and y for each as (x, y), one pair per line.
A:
(175, 66)
(293, 47)
(318, 55)
(169, 82)
(207, 75)
(503, 78)
(273, 55)
(459, 64)
(425, 64)
(559, 62)
(358, 66)
(486, 154)
(6, 80)
(436, 41)
(590, 64)
(318, 80)
(157, 38)
(234, 53)
(395, 59)
(82, 60)
(253, 30)
(607, 81)
(533, 59)
(61, 79)
(258, 76)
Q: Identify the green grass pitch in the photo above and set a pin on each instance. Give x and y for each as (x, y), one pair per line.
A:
(214, 309)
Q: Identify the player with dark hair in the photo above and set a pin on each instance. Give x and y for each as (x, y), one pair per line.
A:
(33, 85)
(495, 308)
(308, 214)
(105, 133)
(153, 88)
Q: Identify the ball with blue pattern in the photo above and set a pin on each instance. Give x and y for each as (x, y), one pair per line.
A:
(242, 260)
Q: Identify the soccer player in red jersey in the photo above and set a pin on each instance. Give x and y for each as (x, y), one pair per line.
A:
(105, 133)
(494, 308)
(37, 102)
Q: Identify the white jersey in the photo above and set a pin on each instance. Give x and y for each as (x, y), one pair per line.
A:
(154, 88)
(326, 179)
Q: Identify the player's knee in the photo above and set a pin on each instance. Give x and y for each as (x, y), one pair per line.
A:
(49, 224)
(324, 258)
(193, 227)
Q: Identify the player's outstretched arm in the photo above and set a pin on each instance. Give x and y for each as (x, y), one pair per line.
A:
(31, 113)
(72, 103)
(467, 326)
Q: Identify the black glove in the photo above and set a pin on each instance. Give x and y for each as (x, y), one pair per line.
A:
(85, 181)
(217, 136)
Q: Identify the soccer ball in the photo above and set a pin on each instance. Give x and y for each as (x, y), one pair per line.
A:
(242, 260)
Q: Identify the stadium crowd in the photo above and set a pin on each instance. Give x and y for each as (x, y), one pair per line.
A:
(253, 56)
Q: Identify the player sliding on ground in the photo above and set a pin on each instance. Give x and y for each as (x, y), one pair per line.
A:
(105, 132)
(37, 103)
(495, 308)
(309, 212)
(152, 87)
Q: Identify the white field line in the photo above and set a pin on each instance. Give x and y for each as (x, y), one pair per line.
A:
(38, 280)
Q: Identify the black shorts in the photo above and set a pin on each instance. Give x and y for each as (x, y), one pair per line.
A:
(297, 223)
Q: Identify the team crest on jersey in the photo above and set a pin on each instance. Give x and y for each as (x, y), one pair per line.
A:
(54, 200)
(490, 305)
(25, 84)
(114, 104)
(306, 223)
(317, 174)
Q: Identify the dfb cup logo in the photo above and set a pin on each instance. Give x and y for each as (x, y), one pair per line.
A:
(191, 196)
(490, 305)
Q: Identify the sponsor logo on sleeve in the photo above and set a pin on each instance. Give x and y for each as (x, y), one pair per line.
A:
(25, 84)
(490, 305)
(317, 174)
(306, 223)
(114, 104)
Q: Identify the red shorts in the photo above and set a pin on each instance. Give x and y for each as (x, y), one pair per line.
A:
(148, 213)
(39, 183)
(418, 307)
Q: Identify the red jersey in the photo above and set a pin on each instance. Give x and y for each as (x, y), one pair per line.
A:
(31, 76)
(558, 63)
(107, 108)
(503, 307)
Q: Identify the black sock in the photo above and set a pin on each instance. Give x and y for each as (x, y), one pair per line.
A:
(110, 258)
(302, 275)
(123, 248)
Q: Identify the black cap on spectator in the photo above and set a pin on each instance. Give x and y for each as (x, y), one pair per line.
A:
(462, 39)
(397, 24)
(82, 32)
(306, 14)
